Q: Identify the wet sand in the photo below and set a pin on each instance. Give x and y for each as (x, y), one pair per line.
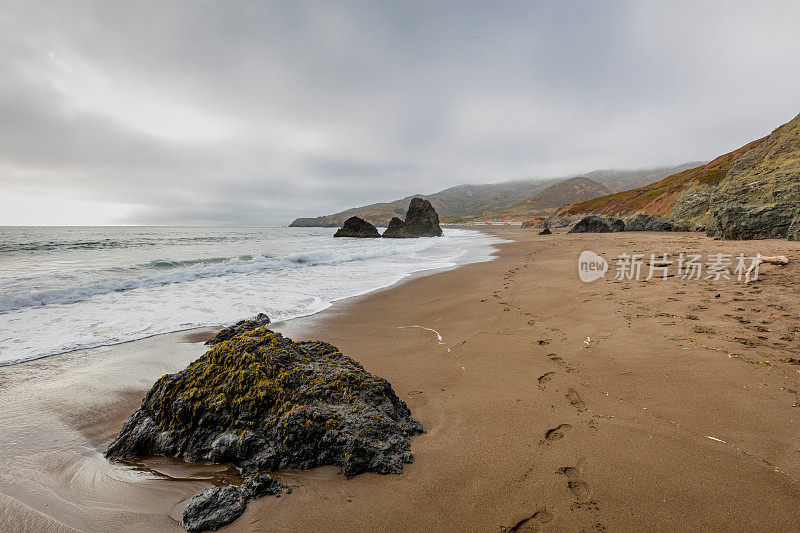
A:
(549, 404)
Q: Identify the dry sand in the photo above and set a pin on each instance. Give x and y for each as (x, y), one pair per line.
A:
(679, 413)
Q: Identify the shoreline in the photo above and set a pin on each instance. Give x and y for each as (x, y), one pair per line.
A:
(651, 425)
(404, 278)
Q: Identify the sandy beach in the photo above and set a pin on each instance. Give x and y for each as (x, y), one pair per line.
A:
(549, 404)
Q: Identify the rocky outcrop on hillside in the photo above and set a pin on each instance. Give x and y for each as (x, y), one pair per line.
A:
(760, 196)
(598, 224)
(546, 231)
(533, 222)
(357, 227)
(264, 402)
(421, 221)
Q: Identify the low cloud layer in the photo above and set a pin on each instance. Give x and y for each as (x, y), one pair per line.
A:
(255, 113)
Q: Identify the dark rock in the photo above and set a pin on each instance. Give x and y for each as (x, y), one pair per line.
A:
(214, 508)
(397, 230)
(261, 485)
(546, 231)
(794, 230)
(218, 506)
(421, 221)
(598, 224)
(265, 403)
(560, 222)
(260, 320)
(357, 227)
(756, 221)
(645, 222)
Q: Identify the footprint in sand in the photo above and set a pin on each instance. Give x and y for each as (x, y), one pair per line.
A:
(544, 378)
(575, 399)
(578, 487)
(557, 432)
(533, 522)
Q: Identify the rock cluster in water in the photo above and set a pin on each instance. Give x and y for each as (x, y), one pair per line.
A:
(421, 221)
(264, 402)
(357, 227)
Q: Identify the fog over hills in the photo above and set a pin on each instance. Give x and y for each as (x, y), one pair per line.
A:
(469, 202)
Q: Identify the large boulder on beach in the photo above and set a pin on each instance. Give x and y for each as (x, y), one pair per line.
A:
(647, 222)
(398, 230)
(357, 227)
(421, 221)
(598, 224)
(264, 402)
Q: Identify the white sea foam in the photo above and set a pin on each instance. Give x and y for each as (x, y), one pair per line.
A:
(57, 297)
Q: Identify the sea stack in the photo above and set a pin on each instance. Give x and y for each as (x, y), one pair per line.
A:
(357, 227)
(421, 221)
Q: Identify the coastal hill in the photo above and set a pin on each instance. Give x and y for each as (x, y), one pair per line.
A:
(657, 198)
(469, 202)
(751, 192)
(554, 196)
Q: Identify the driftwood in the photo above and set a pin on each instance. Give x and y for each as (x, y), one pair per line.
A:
(775, 259)
(772, 260)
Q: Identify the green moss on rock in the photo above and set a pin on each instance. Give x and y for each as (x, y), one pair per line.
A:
(265, 402)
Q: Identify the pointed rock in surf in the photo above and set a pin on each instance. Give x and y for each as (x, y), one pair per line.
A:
(421, 221)
(357, 227)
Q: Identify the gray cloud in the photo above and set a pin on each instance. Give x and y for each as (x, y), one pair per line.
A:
(254, 113)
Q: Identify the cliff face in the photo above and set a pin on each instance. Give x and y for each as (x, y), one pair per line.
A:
(750, 193)
(760, 196)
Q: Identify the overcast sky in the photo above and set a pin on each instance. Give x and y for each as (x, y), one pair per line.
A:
(255, 113)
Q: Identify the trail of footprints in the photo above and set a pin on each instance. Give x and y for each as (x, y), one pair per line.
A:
(572, 475)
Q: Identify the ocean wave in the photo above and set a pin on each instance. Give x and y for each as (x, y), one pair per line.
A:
(165, 272)
(46, 246)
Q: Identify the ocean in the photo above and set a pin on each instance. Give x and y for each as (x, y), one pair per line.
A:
(70, 288)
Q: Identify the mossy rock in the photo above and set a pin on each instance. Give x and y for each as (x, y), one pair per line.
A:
(264, 402)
